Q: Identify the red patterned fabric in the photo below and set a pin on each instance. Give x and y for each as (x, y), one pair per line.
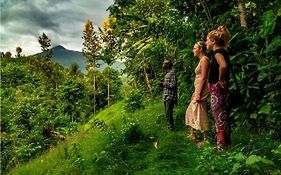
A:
(220, 112)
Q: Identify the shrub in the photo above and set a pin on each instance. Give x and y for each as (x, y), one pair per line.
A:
(134, 101)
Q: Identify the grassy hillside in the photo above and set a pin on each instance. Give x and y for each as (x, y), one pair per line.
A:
(120, 142)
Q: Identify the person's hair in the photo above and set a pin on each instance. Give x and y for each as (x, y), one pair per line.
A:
(169, 64)
(221, 36)
(202, 45)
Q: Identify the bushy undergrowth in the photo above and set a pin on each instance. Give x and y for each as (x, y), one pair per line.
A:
(139, 143)
(134, 100)
(42, 103)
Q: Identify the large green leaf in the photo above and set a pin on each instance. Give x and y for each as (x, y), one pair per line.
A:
(268, 24)
(274, 45)
(252, 159)
(265, 109)
(277, 150)
(262, 75)
(147, 46)
(239, 156)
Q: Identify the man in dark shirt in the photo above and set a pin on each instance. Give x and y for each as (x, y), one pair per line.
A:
(169, 85)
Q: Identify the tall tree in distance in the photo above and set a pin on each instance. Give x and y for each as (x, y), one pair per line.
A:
(91, 50)
(108, 51)
(8, 55)
(92, 43)
(74, 69)
(45, 43)
(18, 50)
(108, 43)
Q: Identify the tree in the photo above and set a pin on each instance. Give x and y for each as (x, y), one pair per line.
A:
(113, 84)
(148, 32)
(92, 45)
(108, 51)
(242, 13)
(74, 69)
(91, 50)
(45, 43)
(18, 50)
(8, 54)
(206, 10)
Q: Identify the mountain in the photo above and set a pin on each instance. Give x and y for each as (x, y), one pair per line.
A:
(67, 57)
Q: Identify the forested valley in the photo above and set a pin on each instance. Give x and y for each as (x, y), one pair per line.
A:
(57, 120)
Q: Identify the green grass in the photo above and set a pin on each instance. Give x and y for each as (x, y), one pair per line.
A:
(119, 142)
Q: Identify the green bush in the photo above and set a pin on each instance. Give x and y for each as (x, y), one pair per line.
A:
(38, 98)
(134, 100)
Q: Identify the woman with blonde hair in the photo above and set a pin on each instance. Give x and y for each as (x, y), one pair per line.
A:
(196, 114)
(217, 40)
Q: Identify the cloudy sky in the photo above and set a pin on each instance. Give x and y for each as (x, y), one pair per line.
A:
(23, 21)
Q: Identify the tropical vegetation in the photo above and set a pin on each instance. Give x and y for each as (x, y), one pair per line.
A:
(62, 121)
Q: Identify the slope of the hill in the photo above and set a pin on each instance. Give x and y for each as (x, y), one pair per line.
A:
(42, 102)
(120, 142)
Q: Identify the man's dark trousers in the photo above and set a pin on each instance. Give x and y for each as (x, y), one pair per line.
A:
(169, 106)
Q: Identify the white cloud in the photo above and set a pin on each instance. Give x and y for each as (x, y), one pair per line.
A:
(23, 21)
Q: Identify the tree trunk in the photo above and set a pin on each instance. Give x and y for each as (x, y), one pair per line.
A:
(242, 13)
(95, 94)
(148, 82)
(94, 61)
(108, 94)
(206, 10)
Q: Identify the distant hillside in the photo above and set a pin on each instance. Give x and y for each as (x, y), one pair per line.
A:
(67, 57)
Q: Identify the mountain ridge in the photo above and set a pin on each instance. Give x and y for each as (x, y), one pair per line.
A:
(66, 58)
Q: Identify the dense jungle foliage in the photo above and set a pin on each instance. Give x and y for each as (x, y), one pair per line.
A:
(43, 103)
(148, 32)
